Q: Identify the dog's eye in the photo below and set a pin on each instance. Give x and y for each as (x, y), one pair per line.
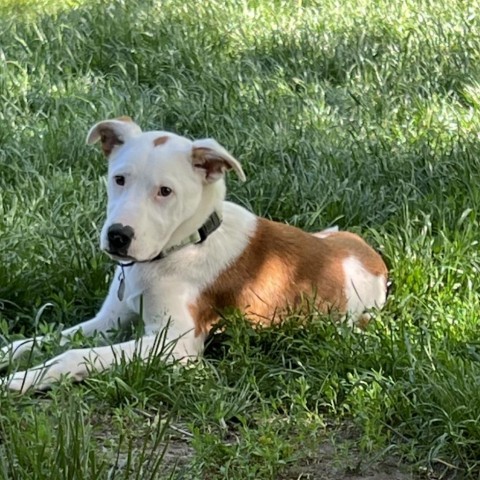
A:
(120, 180)
(164, 191)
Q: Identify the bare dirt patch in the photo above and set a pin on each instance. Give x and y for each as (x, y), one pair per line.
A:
(333, 462)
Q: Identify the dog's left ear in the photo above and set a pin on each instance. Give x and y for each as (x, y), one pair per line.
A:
(113, 133)
(212, 160)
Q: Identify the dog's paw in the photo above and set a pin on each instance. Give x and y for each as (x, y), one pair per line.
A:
(68, 365)
(14, 350)
(37, 378)
(21, 381)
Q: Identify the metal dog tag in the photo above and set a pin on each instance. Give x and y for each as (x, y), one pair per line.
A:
(121, 286)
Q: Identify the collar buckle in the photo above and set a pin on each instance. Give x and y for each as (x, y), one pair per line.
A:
(212, 223)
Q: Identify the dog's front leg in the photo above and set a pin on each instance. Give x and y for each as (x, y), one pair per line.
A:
(77, 363)
(166, 310)
(113, 313)
(169, 332)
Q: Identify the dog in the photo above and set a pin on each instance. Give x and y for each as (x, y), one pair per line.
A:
(185, 254)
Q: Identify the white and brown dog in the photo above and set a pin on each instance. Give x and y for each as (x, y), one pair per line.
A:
(185, 254)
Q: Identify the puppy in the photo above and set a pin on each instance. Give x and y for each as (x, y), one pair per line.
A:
(184, 254)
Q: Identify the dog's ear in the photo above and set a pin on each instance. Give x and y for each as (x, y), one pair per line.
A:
(212, 160)
(113, 132)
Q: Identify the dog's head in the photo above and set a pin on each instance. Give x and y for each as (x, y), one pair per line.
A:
(161, 187)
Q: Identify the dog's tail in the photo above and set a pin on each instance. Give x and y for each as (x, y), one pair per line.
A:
(326, 232)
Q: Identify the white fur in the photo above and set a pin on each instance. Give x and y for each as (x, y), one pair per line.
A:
(167, 288)
(363, 290)
(163, 288)
(326, 233)
(161, 291)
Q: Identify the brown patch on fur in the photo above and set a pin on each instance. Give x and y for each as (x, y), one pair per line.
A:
(109, 139)
(124, 118)
(160, 140)
(210, 161)
(281, 268)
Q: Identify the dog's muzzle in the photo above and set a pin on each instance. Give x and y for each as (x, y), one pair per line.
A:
(119, 238)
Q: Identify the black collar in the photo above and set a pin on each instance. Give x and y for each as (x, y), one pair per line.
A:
(210, 225)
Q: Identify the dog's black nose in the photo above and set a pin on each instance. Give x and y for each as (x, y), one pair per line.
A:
(119, 238)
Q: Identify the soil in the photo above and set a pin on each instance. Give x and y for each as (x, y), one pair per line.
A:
(331, 463)
(333, 460)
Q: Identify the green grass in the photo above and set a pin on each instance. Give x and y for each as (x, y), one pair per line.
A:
(360, 114)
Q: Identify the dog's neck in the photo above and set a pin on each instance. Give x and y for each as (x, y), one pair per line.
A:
(211, 201)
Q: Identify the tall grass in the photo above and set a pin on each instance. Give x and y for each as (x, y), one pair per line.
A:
(356, 113)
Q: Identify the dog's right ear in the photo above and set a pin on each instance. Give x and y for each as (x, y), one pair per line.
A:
(113, 132)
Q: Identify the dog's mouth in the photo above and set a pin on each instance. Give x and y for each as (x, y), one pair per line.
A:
(120, 257)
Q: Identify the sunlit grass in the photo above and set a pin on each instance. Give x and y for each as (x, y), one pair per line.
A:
(361, 114)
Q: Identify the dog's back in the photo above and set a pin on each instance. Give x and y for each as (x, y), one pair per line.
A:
(283, 266)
